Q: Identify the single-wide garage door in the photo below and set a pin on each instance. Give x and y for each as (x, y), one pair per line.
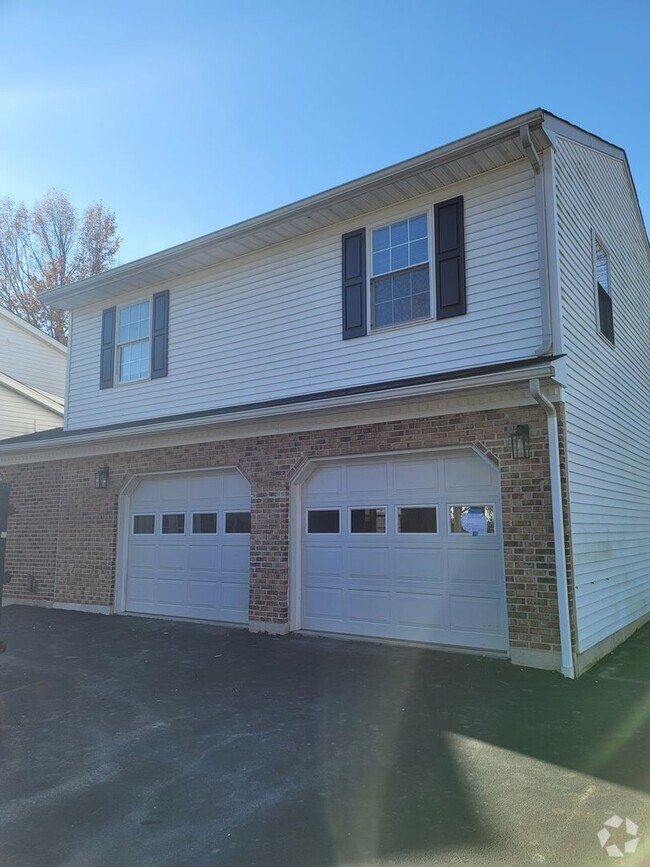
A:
(406, 547)
(189, 546)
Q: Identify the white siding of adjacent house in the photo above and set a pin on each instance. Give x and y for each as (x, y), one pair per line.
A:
(30, 358)
(268, 325)
(19, 415)
(608, 408)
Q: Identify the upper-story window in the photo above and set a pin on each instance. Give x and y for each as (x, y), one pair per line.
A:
(400, 283)
(133, 346)
(605, 311)
(134, 341)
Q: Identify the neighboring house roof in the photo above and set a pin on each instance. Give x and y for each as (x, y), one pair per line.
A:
(10, 317)
(464, 158)
(36, 395)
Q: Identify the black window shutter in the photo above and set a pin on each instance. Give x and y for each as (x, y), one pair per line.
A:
(159, 329)
(107, 357)
(450, 258)
(354, 284)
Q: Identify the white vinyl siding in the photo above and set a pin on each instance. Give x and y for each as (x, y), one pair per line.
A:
(268, 325)
(607, 410)
(19, 415)
(30, 359)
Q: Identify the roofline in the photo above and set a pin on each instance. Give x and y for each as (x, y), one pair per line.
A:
(35, 395)
(468, 378)
(32, 329)
(454, 149)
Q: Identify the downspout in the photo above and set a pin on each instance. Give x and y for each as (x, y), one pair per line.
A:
(558, 528)
(542, 241)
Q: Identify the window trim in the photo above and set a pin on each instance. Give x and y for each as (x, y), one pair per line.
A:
(116, 374)
(596, 238)
(380, 224)
(366, 506)
(450, 505)
(135, 515)
(417, 506)
(309, 509)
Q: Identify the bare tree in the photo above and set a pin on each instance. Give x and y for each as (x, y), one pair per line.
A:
(48, 246)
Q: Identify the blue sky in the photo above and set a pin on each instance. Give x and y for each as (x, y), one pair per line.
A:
(188, 116)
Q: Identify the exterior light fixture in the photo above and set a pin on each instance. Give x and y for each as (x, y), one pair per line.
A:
(101, 477)
(521, 441)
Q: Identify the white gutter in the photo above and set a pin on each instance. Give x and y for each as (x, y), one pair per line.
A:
(542, 239)
(522, 374)
(558, 529)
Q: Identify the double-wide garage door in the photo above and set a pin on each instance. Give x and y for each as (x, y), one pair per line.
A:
(407, 547)
(189, 546)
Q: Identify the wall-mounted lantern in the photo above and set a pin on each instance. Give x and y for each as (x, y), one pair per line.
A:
(101, 477)
(521, 441)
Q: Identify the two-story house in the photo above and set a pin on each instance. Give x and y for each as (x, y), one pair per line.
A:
(408, 408)
(32, 378)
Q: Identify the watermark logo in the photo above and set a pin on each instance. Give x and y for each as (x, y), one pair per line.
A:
(613, 849)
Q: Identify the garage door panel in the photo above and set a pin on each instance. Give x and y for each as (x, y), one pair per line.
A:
(324, 603)
(235, 558)
(202, 575)
(464, 473)
(421, 610)
(415, 477)
(418, 564)
(368, 562)
(323, 560)
(364, 479)
(479, 567)
(328, 480)
(369, 606)
(472, 613)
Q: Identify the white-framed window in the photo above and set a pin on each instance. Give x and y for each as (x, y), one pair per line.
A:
(416, 519)
(324, 521)
(237, 523)
(367, 519)
(474, 520)
(133, 342)
(400, 272)
(144, 525)
(204, 523)
(173, 524)
(604, 309)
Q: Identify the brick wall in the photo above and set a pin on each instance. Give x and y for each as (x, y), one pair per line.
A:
(62, 537)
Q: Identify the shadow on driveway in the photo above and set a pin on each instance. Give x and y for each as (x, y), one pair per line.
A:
(134, 741)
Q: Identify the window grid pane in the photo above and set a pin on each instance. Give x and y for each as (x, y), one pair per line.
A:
(602, 275)
(134, 361)
(323, 521)
(400, 245)
(134, 322)
(401, 298)
(144, 525)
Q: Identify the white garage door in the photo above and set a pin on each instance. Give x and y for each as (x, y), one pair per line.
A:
(405, 547)
(189, 546)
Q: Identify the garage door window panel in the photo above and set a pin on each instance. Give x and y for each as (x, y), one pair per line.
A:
(204, 523)
(368, 521)
(472, 520)
(144, 525)
(417, 520)
(173, 524)
(324, 521)
(238, 523)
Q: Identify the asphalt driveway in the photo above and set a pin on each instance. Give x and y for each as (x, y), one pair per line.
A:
(133, 741)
